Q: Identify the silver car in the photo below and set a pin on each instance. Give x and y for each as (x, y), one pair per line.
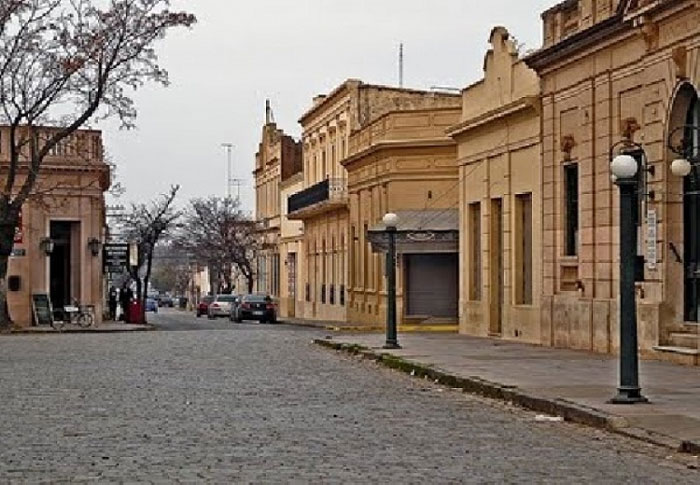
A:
(221, 306)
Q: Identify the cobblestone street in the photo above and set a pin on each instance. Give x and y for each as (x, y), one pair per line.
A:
(257, 403)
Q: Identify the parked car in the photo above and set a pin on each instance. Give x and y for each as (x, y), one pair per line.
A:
(203, 307)
(256, 306)
(166, 301)
(151, 305)
(221, 306)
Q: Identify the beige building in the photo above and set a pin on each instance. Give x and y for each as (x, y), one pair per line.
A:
(619, 71)
(278, 159)
(57, 248)
(500, 197)
(291, 247)
(323, 203)
(403, 162)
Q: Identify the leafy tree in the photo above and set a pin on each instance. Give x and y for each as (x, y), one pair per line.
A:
(218, 234)
(64, 63)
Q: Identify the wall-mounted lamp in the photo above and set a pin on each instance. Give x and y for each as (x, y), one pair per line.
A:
(94, 245)
(46, 244)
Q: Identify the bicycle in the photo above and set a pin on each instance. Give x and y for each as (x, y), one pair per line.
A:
(75, 314)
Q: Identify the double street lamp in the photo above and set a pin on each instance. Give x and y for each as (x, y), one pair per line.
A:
(391, 221)
(625, 168)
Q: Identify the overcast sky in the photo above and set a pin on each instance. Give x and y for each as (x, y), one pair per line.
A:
(242, 52)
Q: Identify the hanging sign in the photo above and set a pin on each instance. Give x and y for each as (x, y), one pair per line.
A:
(652, 236)
(115, 258)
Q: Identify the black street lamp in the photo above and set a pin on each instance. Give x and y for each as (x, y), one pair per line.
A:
(624, 169)
(686, 148)
(391, 221)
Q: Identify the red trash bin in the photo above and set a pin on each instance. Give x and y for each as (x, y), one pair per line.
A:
(135, 314)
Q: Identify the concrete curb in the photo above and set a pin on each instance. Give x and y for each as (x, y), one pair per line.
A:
(95, 331)
(568, 410)
(374, 328)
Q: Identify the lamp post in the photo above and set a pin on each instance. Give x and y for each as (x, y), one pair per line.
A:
(624, 169)
(687, 167)
(391, 221)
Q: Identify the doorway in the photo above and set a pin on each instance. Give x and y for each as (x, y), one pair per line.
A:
(691, 224)
(497, 292)
(291, 284)
(432, 285)
(64, 263)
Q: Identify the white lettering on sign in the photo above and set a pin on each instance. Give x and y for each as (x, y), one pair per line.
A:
(652, 234)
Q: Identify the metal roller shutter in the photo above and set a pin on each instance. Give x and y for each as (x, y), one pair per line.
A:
(432, 285)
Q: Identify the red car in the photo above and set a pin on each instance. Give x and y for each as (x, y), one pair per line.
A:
(203, 307)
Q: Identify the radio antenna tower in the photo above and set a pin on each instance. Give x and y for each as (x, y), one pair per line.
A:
(401, 65)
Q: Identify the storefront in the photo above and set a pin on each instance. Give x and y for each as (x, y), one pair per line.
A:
(58, 247)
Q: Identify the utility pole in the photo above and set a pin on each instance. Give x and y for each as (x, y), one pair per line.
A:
(229, 150)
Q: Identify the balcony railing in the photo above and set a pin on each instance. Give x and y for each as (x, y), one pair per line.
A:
(327, 190)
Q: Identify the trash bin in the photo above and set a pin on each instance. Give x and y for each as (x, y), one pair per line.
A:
(135, 313)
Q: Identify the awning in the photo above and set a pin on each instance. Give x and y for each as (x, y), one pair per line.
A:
(420, 231)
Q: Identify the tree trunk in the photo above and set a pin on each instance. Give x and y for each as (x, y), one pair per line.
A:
(146, 278)
(251, 283)
(8, 222)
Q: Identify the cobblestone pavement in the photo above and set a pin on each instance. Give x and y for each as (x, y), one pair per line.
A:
(260, 403)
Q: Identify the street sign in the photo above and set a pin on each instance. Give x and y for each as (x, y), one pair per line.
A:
(652, 235)
(115, 258)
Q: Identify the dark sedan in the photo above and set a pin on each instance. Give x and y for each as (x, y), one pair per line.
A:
(258, 306)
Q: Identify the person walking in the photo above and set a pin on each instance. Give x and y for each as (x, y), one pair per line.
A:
(112, 303)
(125, 299)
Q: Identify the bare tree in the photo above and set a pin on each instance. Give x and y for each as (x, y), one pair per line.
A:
(146, 225)
(62, 64)
(219, 235)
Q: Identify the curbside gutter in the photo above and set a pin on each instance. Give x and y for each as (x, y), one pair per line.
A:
(79, 330)
(568, 410)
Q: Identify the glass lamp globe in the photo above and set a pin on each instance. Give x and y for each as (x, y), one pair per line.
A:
(681, 167)
(624, 166)
(391, 220)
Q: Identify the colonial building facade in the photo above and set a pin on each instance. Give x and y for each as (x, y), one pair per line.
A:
(500, 196)
(625, 73)
(278, 158)
(57, 245)
(324, 203)
(403, 162)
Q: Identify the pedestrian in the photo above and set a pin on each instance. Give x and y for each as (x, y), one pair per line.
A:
(125, 300)
(112, 303)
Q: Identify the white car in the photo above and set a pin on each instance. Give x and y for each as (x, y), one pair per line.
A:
(221, 306)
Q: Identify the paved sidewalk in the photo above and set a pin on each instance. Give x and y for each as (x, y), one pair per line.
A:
(103, 328)
(572, 384)
(335, 326)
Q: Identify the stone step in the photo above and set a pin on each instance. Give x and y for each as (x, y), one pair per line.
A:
(679, 355)
(685, 339)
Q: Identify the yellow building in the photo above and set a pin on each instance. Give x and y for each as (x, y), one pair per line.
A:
(278, 160)
(619, 71)
(323, 203)
(499, 161)
(57, 246)
(403, 162)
